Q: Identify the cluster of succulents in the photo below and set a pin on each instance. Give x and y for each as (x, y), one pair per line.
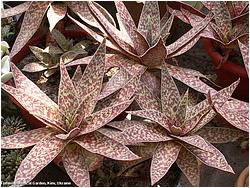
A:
(80, 130)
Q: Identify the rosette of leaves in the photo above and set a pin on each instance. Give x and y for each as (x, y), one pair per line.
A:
(5, 62)
(11, 159)
(35, 12)
(50, 57)
(233, 111)
(142, 45)
(72, 130)
(178, 133)
(230, 26)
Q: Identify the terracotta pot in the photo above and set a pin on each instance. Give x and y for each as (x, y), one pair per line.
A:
(242, 180)
(229, 72)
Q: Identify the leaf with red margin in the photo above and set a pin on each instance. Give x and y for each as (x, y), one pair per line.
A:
(153, 115)
(100, 144)
(93, 34)
(56, 12)
(93, 74)
(113, 33)
(155, 55)
(15, 10)
(150, 17)
(67, 96)
(187, 38)
(117, 82)
(77, 75)
(33, 105)
(213, 159)
(170, 96)
(75, 166)
(164, 156)
(31, 22)
(24, 139)
(244, 49)
(196, 141)
(38, 158)
(146, 100)
(102, 117)
(188, 164)
(143, 132)
(218, 135)
(25, 85)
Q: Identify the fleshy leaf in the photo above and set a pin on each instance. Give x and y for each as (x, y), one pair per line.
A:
(38, 158)
(102, 117)
(61, 40)
(155, 55)
(164, 156)
(75, 165)
(169, 93)
(122, 125)
(100, 144)
(214, 159)
(56, 12)
(24, 139)
(220, 134)
(153, 115)
(142, 132)
(34, 67)
(77, 75)
(31, 22)
(15, 10)
(150, 17)
(244, 49)
(188, 164)
(42, 56)
(67, 96)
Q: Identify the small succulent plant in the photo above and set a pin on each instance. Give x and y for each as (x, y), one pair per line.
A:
(50, 57)
(5, 62)
(179, 133)
(229, 27)
(72, 130)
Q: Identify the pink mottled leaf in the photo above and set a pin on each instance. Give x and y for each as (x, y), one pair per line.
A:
(143, 132)
(104, 116)
(188, 164)
(100, 144)
(181, 109)
(56, 12)
(77, 75)
(67, 97)
(196, 141)
(71, 134)
(153, 115)
(15, 10)
(213, 159)
(165, 29)
(150, 18)
(239, 7)
(122, 125)
(244, 49)
(141, 44)
(220, 134)
(188, 37)
(34, 67)
(75, 165)
(24, 139)
(111, 133)
(155, 55)
(169, 93)
(31, 22)
(164, 156)
(93, 73)
(38, 158)
(114, 34)
(208, 4)
(93, 160)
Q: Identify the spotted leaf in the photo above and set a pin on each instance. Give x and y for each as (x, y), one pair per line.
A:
(100, 144)
(15, 10)
(245, 54)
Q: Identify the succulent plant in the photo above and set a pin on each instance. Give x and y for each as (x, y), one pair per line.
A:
(229, 27)
(35, 12)
(11, 159)
(178, 132)
(72, 130)
(5, 62)
(142, 45)
(50, 57)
